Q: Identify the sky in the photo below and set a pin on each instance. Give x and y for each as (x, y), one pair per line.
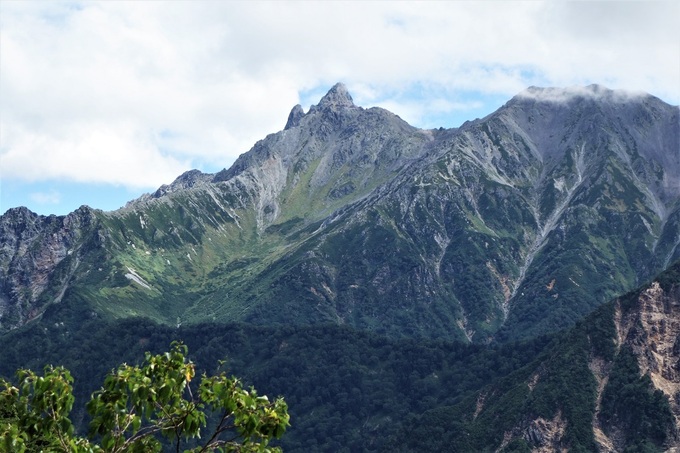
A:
(101, 102)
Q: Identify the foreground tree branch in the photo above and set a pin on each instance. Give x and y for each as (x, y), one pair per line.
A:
(137, 404)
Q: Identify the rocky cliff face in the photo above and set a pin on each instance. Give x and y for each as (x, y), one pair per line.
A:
(38, 257)
(642, 406)
(651, 329)
(648, 325)
(512, 225)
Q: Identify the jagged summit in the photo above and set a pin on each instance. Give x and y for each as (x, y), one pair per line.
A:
(338, 96)
(186, 180)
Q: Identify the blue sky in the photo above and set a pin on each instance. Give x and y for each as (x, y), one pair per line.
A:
(101, 102)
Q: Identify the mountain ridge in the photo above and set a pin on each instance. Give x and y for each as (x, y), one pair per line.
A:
(474, 222)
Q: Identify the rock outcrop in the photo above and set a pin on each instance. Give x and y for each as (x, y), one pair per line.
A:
(38, 254)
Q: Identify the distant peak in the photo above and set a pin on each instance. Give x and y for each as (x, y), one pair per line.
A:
(186, 180)
(20, 211)
(338, 96)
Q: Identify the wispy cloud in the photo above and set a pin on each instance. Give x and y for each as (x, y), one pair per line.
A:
(50, 197)
(566, 94)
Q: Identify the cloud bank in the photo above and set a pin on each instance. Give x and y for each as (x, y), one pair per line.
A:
(134, 93)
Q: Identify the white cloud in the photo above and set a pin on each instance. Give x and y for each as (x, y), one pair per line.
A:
(50, 197)
(562, 95)
(134, 93)
(88, 151)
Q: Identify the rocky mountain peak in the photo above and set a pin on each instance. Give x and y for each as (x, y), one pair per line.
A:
(338, 96)
(20, 212)
(294, 117)
(186, 180)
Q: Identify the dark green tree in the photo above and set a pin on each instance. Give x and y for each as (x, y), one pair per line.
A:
(136, 406)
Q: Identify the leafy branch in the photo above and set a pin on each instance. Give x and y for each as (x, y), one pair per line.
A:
(134, 406)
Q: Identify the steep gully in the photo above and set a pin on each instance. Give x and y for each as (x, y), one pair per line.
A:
(546, 228)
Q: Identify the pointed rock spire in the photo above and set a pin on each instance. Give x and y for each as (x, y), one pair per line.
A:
(338, 96)
(294, 117)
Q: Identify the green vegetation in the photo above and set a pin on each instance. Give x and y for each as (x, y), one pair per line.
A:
(632, 406)
(559, 388)
(342, 386)
(556, 386)
(358, 391)
(135, 406)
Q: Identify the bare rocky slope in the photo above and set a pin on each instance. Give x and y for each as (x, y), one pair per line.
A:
(510, 226)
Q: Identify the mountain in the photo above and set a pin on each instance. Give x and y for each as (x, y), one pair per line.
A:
(610, 384)
(508, 227)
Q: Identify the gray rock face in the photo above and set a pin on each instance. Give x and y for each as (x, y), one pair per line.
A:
(185, 181)
(513, 225)
(38, 253)
(337, 98)
(294, 117)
